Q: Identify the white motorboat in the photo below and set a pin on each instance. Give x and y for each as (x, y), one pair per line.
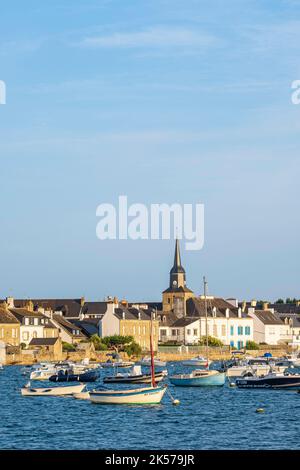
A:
(197, 361)
(27, 391)
(146, 362)
(117, 364)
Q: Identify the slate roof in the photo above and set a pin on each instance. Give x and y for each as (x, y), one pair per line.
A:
(292, 316)
(182, 322)
(133, 313)
(69, 307)
(195, 307)
(94, 308)
(285, 308)
(43, 341)
(267, 317)
(177, 289)
(89, 326)
(67, 325)
(7, 317)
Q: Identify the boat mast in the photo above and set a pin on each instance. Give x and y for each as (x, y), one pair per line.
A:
(153, 383)
(206, 322)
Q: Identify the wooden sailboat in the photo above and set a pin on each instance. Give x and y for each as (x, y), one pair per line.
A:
(201, 377)
(139, 396)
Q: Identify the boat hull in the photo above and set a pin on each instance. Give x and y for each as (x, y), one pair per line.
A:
(51, 391)
(91, 376)
(282, 382)
(205, 381)
(139, 379)
(142, 396)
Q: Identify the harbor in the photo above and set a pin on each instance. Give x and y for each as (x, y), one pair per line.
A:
(207, 418)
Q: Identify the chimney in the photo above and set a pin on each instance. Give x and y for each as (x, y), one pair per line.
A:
(123, 315)
(10, 302)
(227, 313)
(239, 312)
(253, 303)
(82, 301)
(244, 305)
(29, 305)
(265, 305)
(139, 315)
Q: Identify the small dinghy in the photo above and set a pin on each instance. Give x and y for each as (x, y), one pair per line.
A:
(27, 391)
(146, 362)
(135, 376)
(198, 361)
(69, 376)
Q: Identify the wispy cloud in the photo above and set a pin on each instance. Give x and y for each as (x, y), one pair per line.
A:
(155, 37)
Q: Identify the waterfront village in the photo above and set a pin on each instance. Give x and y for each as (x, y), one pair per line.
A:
(34, 328)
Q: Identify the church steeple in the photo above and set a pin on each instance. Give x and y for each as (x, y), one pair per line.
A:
(177, 273)
(177, 259)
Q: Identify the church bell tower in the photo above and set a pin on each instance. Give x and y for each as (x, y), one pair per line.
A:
(174, 298)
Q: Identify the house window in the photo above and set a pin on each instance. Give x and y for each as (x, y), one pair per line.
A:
(163, 332)
(223, 330)
(232, 330)
(240, 330)
(232, 344)
(35, 321)
(240, 344)
(195, 332)
(174, 332)
(188, 332)
(169, 300)
(26, 321)
(247, 330)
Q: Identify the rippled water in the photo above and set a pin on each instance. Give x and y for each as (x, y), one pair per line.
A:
(207, 418)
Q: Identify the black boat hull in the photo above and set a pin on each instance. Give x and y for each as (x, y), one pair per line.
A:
(139, 379)
(85, 377)
(286, 382)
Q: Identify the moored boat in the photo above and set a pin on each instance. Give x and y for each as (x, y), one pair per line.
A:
(197, 361)
(271, 380)
(27, 391)
(69, 376)
(146, 362)
(199, 378)
(135, 376)
(140, 396)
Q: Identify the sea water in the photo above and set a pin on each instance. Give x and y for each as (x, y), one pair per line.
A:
(207, 418)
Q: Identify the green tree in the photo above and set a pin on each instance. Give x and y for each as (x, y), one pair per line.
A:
(279, 301)
(212, 341)
(252, 345)
(68, 347)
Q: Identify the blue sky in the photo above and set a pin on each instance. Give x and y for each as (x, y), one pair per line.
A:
(165, 101)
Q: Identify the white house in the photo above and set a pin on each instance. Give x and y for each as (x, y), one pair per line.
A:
(224, 322)
(268, 327)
